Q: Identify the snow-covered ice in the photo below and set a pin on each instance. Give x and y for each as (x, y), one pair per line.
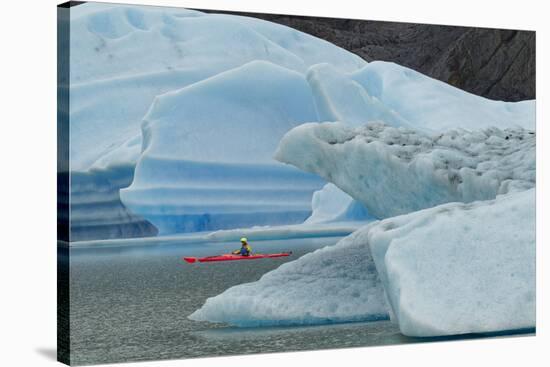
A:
(460, 268)
(334, 284)
(394, 171)
(399, 97)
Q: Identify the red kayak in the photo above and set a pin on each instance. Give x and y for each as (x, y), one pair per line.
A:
(232, 257)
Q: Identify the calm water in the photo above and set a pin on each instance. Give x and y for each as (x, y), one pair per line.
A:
(132, 304)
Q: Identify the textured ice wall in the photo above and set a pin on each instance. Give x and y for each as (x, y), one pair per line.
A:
(394, 171)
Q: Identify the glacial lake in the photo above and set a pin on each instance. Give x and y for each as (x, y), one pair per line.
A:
(131, 304)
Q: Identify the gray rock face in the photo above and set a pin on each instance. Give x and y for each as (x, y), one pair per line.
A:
(498, 64)
(494, 63)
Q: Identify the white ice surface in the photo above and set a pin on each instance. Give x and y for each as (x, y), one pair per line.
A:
(394, 171)
(450, 269)
(460, 268)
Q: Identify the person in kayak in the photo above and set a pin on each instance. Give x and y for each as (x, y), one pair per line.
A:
(245, 249)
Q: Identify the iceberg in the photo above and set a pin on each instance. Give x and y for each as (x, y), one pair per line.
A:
(452, 269)
(190, 107)
(124, 56)
(334, 284)
(455, 254)
(394, 171)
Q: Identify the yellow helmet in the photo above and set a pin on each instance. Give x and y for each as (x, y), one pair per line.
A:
(244, 240)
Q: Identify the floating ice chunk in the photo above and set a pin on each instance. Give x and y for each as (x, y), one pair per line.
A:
(452, 269)
(393, 171)
(335, 284)
(302, 230)
(460, 268)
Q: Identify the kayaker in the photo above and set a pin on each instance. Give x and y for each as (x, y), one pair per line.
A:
(245, 249)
